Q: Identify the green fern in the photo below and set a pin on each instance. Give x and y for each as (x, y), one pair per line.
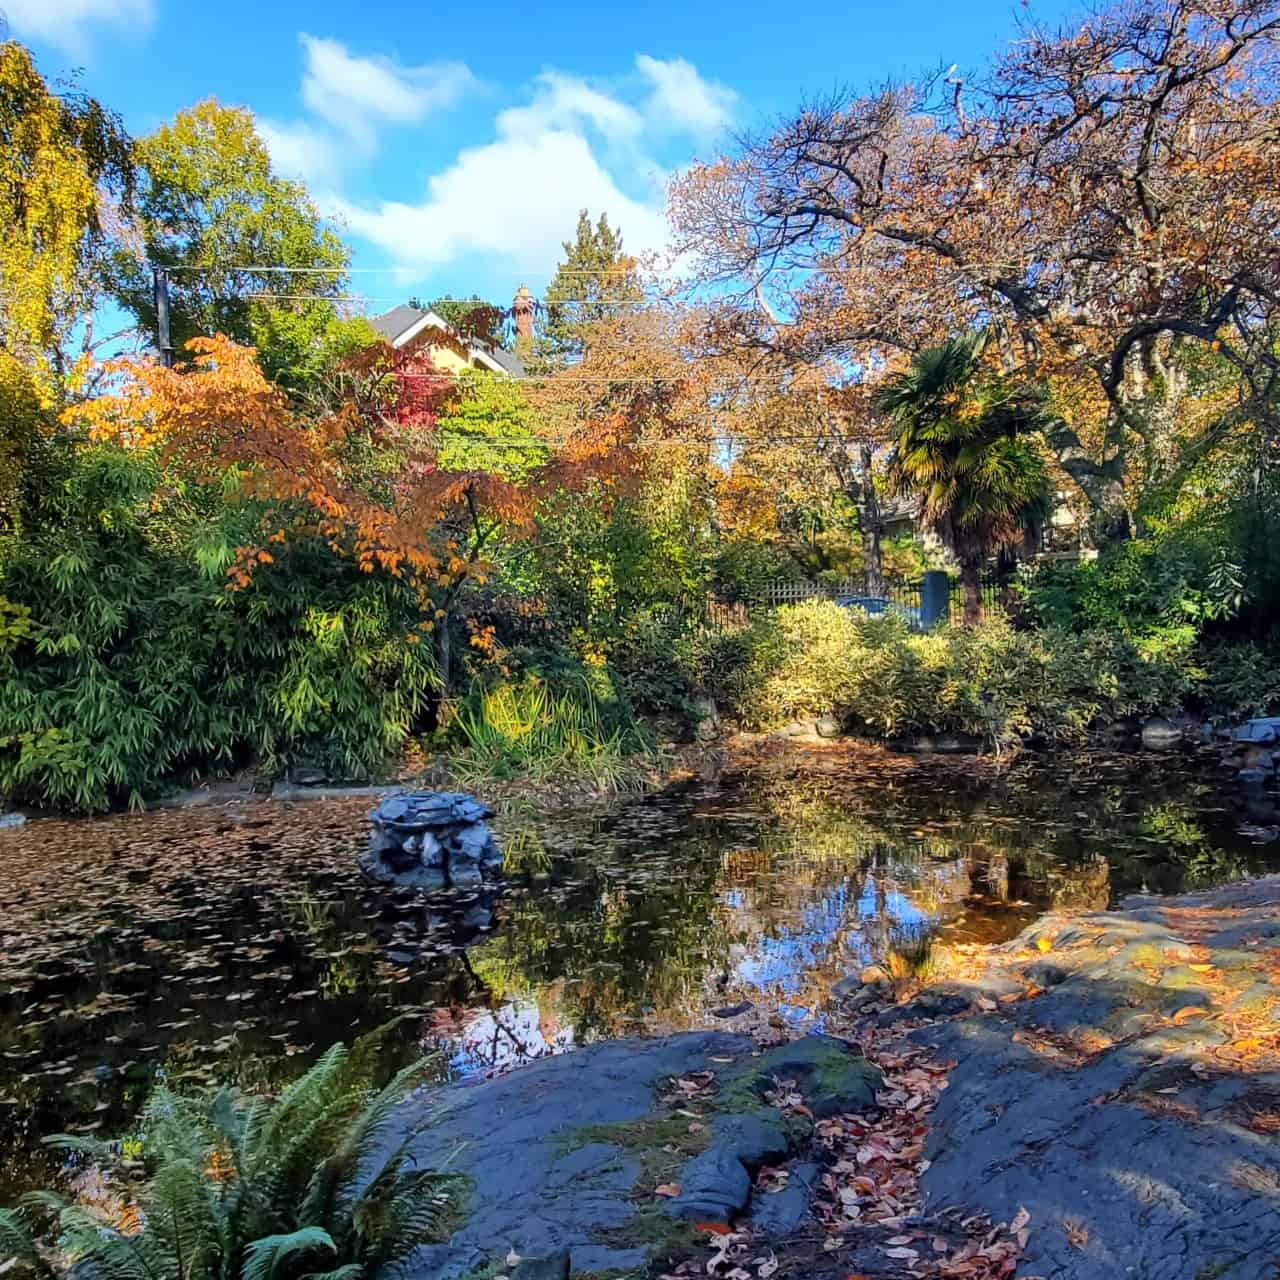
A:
(256, 1188)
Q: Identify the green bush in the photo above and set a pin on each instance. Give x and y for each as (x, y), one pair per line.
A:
(1239, 681)
(124, 660)
(877, 676)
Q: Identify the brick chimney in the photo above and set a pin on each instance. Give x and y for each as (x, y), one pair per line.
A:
(522, 309)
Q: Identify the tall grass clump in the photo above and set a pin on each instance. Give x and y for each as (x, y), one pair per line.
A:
(529, 729)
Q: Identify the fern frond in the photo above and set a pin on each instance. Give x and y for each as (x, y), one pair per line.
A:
(263, 1257)
(17, 1242)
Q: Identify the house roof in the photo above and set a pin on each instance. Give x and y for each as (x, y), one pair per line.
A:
(396, 322)
(404, 322)
(508, 360)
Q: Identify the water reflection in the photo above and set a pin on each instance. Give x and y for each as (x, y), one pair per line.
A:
(238, 944)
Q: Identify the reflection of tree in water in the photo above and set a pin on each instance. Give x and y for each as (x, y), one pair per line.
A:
(779, 890)
(609, 937)
(171, 941)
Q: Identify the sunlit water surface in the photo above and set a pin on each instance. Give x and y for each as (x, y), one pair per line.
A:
(239, 942)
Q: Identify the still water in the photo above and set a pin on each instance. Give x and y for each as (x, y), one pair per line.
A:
(238, 942)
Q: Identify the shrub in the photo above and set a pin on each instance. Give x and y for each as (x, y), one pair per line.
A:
(252, 1187)
(1239, 681)
(124, 660)
(876, 675)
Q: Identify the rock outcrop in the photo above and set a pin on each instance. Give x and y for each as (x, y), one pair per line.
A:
(431, 840)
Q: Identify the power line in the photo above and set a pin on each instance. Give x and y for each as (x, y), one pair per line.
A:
(360, 297)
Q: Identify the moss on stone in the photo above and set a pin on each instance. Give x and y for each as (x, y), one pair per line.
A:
(664, 1238)
(662, 1141)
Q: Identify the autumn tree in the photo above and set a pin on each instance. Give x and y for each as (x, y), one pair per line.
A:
(211, 210)
(370, 476)
(1104, 197)
(592, 282)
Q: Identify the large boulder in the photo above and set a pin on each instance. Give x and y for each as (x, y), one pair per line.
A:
(431, 840)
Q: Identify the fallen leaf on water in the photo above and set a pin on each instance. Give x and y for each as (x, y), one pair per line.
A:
(713, 1228)
(1186, 1013)
(1020, 1220)
(905, 1255)
(668, 1189)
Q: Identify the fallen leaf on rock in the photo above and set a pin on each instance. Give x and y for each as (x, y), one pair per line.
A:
(1186, 1013)
(902, 1254)
(713, 1228)
(1020, 1219)
(1076, 1231)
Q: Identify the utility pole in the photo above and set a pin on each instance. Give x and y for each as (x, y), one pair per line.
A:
(164, 344)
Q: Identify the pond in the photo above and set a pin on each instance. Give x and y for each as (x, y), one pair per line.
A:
(238, 942)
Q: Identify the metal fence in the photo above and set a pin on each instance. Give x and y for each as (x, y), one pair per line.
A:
(903, 594)
(991, 592)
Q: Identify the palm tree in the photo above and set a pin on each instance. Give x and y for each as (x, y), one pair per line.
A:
(316, 1182)
(965, 442)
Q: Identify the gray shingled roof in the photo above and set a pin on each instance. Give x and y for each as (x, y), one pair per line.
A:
(507, 359)
(391, 324)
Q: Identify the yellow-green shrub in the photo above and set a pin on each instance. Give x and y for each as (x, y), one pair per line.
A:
(877, 676)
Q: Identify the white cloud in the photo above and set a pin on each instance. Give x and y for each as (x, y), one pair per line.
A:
(515, 198)
(682, 101)
(355, 94)
(350, 100)
(301, 150)
(573, 143)
(562, 101)
(67, 23)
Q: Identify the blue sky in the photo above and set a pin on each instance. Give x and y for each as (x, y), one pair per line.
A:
(456, 142)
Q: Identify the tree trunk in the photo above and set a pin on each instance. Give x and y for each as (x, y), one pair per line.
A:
(444, 668)
(869, 519)
(971, 589)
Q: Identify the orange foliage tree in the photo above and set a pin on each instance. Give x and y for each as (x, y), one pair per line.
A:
(360, 474)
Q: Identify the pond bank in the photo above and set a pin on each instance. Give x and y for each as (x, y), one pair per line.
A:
(1116, 1075)
(1095, 1100)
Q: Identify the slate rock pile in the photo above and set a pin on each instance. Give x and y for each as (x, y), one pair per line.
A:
(431, 840)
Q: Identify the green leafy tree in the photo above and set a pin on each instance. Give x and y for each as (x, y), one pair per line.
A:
(209, 208)
(966, 445)
(594, 278)
(255, 1187)
(488, 425)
